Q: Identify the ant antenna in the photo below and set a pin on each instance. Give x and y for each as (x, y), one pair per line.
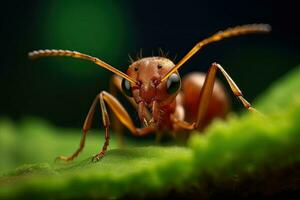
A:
(230, 32)
(75, 54)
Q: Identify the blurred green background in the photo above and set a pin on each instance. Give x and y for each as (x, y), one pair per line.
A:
(61, 90)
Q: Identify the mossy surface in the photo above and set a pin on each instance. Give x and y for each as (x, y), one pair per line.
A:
(237, 155)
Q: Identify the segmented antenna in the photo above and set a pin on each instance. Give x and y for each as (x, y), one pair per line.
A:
(75, 54)
(230, 32)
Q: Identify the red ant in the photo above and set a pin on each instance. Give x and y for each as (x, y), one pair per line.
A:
(154, 88)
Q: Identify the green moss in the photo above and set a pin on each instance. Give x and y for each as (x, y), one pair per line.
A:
(237, 155)
(245, 144)
(134, 170)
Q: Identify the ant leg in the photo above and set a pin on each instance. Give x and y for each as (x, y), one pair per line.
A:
(179, 125)
(122, 115)
(178, 117)
(86, 126)
(207, 90)
(184, 124)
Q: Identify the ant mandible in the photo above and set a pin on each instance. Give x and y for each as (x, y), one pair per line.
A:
(154, 88)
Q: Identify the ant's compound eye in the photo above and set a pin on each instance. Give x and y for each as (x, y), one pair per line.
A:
(173, 83)
(126, 87)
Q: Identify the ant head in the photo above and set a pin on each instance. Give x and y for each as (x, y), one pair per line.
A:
(147, 73)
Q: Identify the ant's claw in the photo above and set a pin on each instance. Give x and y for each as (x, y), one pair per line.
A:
(98, 157)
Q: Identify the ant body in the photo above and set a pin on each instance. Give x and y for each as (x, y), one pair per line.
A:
(162, 100)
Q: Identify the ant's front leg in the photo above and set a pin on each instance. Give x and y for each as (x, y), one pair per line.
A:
(122, 115)
(179, 124)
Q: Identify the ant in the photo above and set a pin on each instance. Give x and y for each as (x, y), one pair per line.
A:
(163, 102)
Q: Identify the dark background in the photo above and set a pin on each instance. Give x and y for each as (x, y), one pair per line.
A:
(62, 89)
